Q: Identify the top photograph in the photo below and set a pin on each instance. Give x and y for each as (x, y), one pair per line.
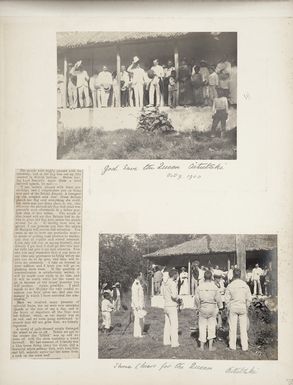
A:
(147, 95)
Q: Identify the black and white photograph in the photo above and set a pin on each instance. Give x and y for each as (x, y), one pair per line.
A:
(146, 95)
(188, 296)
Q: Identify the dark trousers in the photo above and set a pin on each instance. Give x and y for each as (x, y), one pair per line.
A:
(124, 98)
(220, 116)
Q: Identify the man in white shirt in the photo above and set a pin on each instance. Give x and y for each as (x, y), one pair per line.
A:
(138, 79)
(155, 84)
(82, 85)
(137, 304)
(255, 276)
(169, 292)
(105, 82)
(238, 300)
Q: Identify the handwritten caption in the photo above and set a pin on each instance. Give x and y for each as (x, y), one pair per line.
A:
(184, 365)
(190, 171)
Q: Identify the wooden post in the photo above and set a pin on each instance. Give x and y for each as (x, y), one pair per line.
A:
(118, 66)
(274, 265)
(228, 264)
(241, 255)
(152, 291)
(65, 83)
(176, 64)
(189, 277)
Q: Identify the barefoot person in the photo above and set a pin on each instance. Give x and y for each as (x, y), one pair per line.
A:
(238, 299)
(208, 300)
(171, 300)
(137, 304)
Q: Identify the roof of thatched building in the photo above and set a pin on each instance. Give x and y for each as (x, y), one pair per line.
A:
(87, 39)
(216, 243)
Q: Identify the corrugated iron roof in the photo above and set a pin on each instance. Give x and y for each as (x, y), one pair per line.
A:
(217, 243)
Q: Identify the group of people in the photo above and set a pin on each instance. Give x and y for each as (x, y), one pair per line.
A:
(199, 85)
(215, 293)
(259, 280)
(210, 298)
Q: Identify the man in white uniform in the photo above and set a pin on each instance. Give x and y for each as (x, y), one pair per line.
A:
(82, 85)
(138, 79)
(171, 299)
(137, 304)
(105, 82)
(257, 272)
(158, 73)
(238, 300)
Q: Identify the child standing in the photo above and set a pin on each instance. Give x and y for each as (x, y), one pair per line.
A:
(107, 308)
(220, 112)
(172, 90)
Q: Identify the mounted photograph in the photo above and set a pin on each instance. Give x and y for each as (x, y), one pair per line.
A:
(188, 296)
(146, 95)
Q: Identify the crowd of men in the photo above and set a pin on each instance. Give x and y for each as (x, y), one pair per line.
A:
(199, 85)
(259, 280)
(213, 291)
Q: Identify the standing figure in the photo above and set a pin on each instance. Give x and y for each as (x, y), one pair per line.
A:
(238, 300)
(194, 276)
(185, 89)
(95, 89)
(220, 113)
(169, 71)
(124, 86)
(105, 82)
(60, 89)
(171, 300)
(72, 89)
(138, 79)
(233, 84)
(155, 84)
(137, 304)
(184, 282)
(208, 300)
(213, 85)
(82, 85)
(158, 278)
(115, 90)
(106, 307)
(117, 297)
(204, 71)
(197, 85)
(256, 274)
(223, 70)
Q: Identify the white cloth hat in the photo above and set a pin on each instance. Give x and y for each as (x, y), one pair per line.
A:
(135, 59)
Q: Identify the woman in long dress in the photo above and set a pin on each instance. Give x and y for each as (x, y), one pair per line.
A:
(184, 288)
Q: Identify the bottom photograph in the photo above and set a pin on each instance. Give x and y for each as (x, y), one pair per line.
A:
(188, 296)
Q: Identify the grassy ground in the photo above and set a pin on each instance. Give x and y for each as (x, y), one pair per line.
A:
(137, 144)
(262, 339)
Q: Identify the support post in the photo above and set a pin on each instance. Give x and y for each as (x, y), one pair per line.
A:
(228, 264)
(189, 277)
(274, 265)
(241, 255)
(152, 291)
(65, 83)
(176, 64)
(118, 67)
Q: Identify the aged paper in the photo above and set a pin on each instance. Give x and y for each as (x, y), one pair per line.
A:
(248, 195)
